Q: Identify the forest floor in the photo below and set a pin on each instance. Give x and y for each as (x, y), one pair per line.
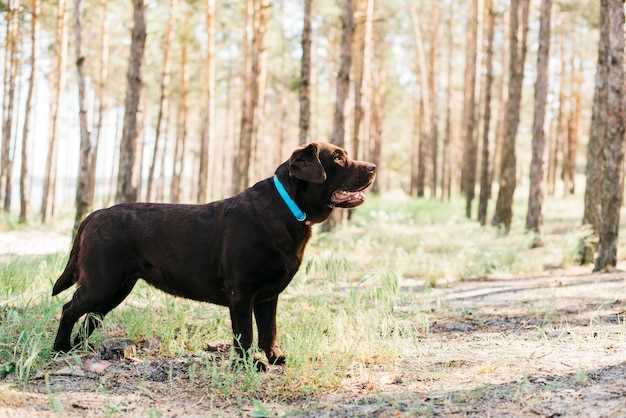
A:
(409, 310)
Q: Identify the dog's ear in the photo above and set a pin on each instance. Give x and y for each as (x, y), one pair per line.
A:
(305, 164)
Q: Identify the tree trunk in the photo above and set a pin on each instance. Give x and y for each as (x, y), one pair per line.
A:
(424, 114)
(181, 131)
(243, 150)
(230, 145)
(305, 76)
(534, 216)
(485, 185)
(613, 150)
(163, 93)
(432, 94)
(378, 106)
(9, 127)
(116, 151)
(58, 85)
(103, 75)
(342, 86)
(504, 203)
(160, 183)
(363, 58)
(25, 160)
(502, 106)
(414, 156)
(343, 75)
(468, 176)
(128, 172)
(258, 157)
(84, 197)
(446, 172)
(572, 126)
(557, 144)
(208, 129)
(597, 129)
(256, 17)
(565, 109)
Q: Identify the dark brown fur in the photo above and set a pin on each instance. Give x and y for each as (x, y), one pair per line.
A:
(239, 252)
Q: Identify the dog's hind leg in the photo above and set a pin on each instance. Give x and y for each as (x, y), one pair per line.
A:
(87, 299)
(101, 309)
(72, 311)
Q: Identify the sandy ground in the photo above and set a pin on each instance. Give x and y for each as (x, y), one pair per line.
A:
(32, 242)
(544, 346)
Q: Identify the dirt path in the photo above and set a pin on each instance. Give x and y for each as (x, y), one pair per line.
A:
(553, 345)
(32, 242)
(548, 346)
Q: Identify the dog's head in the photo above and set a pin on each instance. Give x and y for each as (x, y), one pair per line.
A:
(327, 177)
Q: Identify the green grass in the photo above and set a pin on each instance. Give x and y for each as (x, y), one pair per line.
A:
(346, 308)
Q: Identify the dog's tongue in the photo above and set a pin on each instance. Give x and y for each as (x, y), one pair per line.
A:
(341, 196)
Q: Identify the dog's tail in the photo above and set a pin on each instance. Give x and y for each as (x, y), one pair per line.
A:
(69, 276)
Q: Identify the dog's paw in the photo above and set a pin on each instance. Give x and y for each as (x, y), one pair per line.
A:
(61, 347)
(260, 366)
(277, 359)
(275, 356)
(240, 365)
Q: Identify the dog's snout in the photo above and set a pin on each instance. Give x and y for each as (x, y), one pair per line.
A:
(371, 168)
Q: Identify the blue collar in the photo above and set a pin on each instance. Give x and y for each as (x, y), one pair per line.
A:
(291, 204)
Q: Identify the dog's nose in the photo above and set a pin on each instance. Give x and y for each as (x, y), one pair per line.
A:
(371, 168)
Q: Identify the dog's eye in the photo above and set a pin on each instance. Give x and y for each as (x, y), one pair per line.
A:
(339, 159)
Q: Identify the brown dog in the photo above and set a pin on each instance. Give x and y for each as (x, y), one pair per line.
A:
(239, 252)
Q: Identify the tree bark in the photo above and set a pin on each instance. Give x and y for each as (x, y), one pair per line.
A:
(163, 93)
(9, 126)
(128, 172)
(305, 76)
(446, 174)
(25, 154)
(257, 16)
(468, 176)
(362, 60)
(243, 150)
(258, 156)
(116, 151)
(432, 94)
(103, 75)
(208, 130)
(424, 114)
(378, 109)
(342, 86)
(343, 75)
(414, 156)
(160, 183)
(597, 129)
(502, 106)
(504, 204)
(613, 150)
(534, 216)
(557, 144)
(84, 197)
(60, 45)
(572, 127)
(181, 131)
(485, 185)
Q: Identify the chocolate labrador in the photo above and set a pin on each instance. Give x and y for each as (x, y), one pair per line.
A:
(240, 252)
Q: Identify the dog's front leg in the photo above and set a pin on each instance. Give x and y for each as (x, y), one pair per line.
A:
(241, 322)
(265, 315)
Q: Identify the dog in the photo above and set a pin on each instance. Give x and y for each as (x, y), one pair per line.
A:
(240, 252)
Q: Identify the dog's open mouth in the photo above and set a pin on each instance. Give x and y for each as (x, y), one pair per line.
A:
(348, 199)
